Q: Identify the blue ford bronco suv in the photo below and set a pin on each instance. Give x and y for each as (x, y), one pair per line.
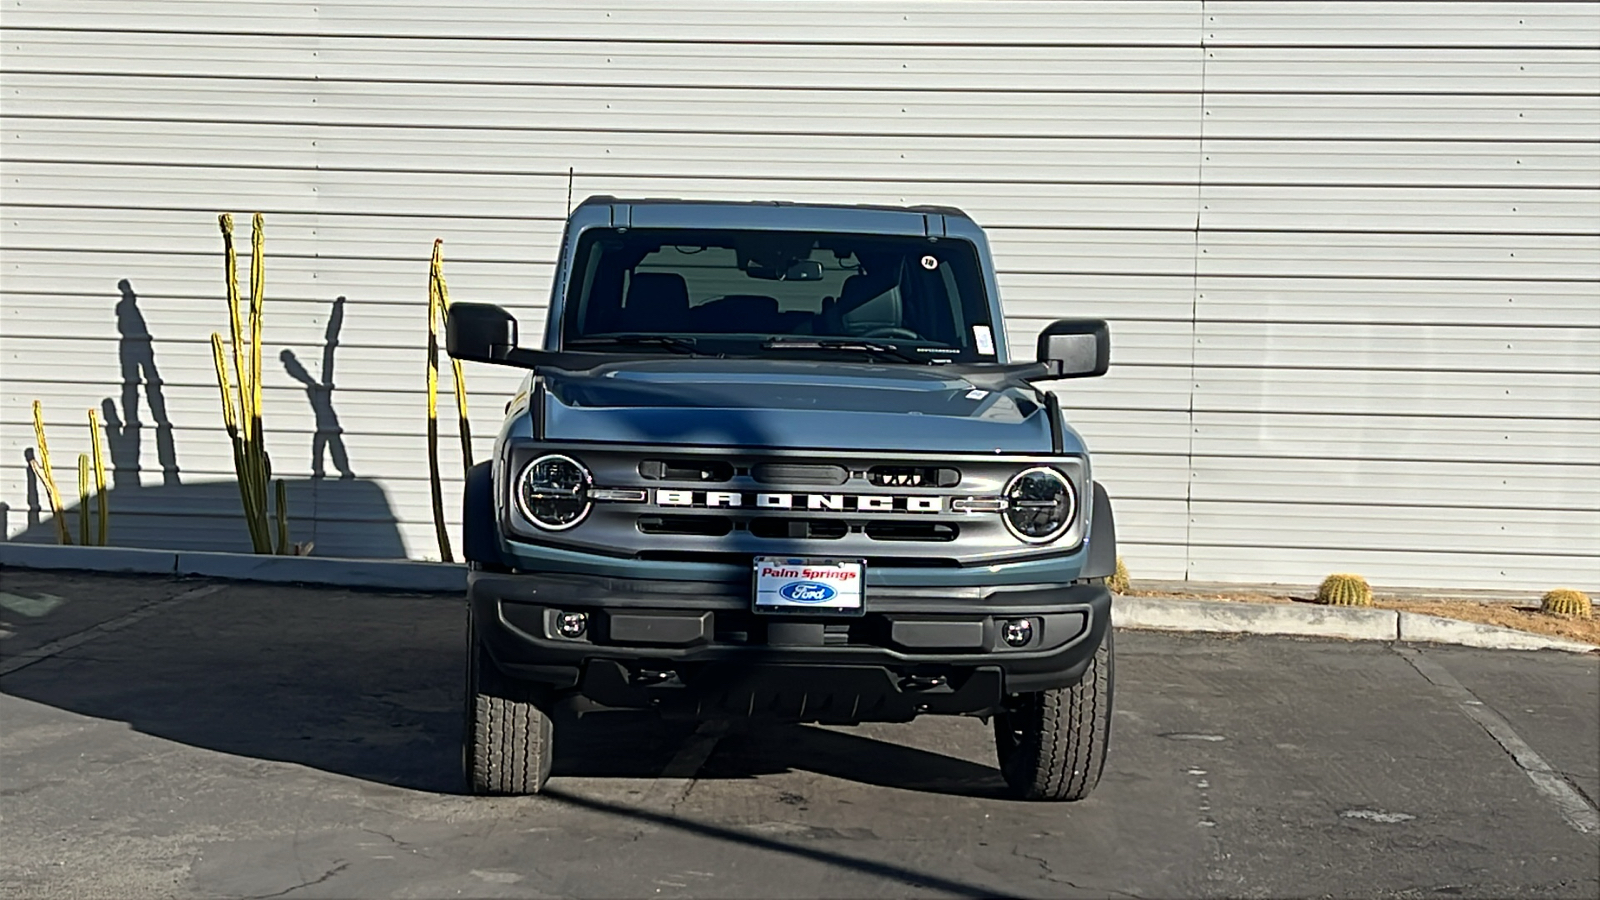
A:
(775, 461)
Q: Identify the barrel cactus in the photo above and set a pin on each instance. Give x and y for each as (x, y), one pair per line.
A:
(1344, 590)
(1118, 582)
(1567, 602)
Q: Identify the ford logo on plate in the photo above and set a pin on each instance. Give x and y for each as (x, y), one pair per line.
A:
(807, 592)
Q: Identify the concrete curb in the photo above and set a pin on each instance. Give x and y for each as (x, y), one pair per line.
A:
(1161, 614)
(1254, 618)
(383, 574)
(93, 559)
(1422, 628)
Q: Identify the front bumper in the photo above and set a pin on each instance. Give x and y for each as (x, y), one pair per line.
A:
(694, 648)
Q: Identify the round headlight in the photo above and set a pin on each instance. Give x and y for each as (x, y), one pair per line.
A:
(1040, 503)
(553, 492)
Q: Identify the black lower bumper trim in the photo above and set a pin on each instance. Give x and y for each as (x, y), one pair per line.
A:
(673, 650)
(829, 694)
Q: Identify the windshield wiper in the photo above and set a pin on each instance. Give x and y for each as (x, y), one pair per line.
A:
(675, 344)
(850, 346)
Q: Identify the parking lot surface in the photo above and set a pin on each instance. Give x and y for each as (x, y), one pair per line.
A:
(163, 738)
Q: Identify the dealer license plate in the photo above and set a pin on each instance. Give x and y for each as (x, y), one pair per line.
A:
(809, 585)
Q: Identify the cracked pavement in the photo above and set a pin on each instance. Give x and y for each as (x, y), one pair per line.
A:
(271, 741)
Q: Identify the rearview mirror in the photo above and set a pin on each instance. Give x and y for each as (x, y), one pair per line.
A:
(1076, 348)
(804, 270)
(798, 270)
(479, 332)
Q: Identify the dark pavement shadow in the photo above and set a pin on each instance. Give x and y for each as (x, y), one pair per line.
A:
(904, 876)
(371, 686)
(850, 756)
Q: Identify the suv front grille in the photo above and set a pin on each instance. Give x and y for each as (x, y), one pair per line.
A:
(913, 531)
(703, 526)
(728, 504)
(798, 473)
(913, 476)
(709, 471)
(801, 529)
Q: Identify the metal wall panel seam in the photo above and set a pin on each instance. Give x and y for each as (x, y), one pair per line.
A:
(1194, 303)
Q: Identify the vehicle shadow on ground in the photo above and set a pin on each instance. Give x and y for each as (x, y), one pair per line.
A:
(371, 686)
(759, 748)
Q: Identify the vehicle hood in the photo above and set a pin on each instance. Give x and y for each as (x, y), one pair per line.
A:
(793, 403)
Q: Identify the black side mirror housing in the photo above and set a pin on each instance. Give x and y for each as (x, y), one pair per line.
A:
(1076, 348)
(479, 332)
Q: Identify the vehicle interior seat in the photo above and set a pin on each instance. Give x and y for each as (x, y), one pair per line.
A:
(657, 301)
(865, 304)
(738, 314)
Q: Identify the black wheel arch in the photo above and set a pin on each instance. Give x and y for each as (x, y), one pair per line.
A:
(480, 542)
(1102, 540)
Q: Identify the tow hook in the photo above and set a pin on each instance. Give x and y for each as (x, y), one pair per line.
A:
(922, 682)
(653, 676)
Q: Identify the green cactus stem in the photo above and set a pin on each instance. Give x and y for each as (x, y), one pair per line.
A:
(1344, 590)
(282, 499)
(1567, 602)
(85, 536)
(245, 431)
(103, 511)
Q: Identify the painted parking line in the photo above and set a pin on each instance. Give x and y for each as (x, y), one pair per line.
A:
(1573, 806)
(60, 645)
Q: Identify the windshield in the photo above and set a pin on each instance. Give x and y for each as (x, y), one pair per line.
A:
(768, 292)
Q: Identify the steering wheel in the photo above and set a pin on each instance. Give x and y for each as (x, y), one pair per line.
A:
(892, 331)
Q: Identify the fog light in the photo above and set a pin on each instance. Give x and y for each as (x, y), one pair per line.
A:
(1016, 632)
(572, 625)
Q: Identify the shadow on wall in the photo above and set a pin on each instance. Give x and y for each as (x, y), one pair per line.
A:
(136, 353)
(343, 517)
(329, 438)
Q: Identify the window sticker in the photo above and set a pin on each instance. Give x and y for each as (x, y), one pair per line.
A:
(930, 262)
(984, 338)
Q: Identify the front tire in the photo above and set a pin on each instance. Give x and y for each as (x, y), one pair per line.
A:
(1052, 744)
(508, 737)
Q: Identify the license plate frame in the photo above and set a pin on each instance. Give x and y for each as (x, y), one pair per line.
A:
(797, 585)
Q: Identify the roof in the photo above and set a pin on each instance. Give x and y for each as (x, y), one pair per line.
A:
(924, 209)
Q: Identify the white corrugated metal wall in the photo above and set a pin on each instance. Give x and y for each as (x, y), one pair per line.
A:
(1351, 251)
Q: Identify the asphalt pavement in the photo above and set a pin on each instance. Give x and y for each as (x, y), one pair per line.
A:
(169, 738)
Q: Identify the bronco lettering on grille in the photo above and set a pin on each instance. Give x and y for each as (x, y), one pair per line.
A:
(815, 502)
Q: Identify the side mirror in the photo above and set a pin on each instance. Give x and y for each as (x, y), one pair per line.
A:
(479, 332)
(1076, 348)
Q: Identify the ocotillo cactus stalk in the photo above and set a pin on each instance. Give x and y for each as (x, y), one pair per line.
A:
(435, 314)
(46, 475)
(1344, 590)
(1567, 602)
(235, 320)
(83, 500)
(231, 423)
(283, 517)
(463, 424)
(241, 422)
(258, 293)
(251, 464)
(102, 508)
